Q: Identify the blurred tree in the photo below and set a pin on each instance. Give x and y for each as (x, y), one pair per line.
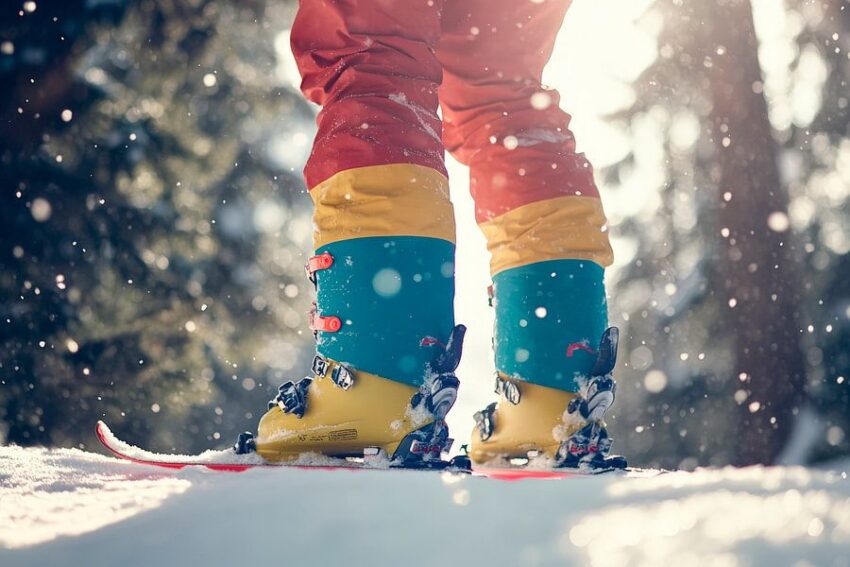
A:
(151, 217)
(816, 160)
(756, 256)
(714, 304)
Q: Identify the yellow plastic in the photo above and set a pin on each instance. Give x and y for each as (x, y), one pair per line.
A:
(538, 423)
(563, 228)
(382, 200)
(374, 412)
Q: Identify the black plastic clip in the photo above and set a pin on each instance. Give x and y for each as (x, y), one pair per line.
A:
(485, 421)
(319, 366)
(292, 397)
(245, 444)
(509, 389)
(342, 376)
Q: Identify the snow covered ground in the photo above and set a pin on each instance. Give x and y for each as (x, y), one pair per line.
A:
(68, 507)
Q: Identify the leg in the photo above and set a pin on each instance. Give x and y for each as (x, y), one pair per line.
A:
(370, 65)
(384, 226)
(536, 202)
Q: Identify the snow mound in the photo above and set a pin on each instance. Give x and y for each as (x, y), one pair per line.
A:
(68, 507)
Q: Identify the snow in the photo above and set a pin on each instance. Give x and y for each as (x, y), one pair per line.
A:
(68, 507)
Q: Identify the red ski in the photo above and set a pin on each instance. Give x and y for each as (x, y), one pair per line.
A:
(228, 461)
(223, 460)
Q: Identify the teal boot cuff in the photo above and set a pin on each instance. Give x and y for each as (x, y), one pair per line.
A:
(389, 294)
(549, 318)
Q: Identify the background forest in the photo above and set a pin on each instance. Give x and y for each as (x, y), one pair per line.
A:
(154, 226)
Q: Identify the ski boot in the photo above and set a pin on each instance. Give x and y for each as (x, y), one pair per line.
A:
(342, 412)
(564, 427)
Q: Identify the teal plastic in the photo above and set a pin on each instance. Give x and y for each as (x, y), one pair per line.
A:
(542, 309)
(389, 293)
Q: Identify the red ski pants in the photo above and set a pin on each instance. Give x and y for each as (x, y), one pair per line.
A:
(381, 68)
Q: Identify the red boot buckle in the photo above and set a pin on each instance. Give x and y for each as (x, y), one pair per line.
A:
(329, 324)
(322, 261)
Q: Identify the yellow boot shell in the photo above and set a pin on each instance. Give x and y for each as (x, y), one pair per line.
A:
(373, 412)
(539, 422)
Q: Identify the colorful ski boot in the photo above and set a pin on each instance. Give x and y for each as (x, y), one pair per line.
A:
(341, 412)
(565, 428)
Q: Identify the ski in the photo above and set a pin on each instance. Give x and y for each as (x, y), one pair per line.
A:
(514, 473)
(228, 461)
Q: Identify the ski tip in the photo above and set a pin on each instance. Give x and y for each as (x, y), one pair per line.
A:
(105, 436)
(108, 439)
(102, 430)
